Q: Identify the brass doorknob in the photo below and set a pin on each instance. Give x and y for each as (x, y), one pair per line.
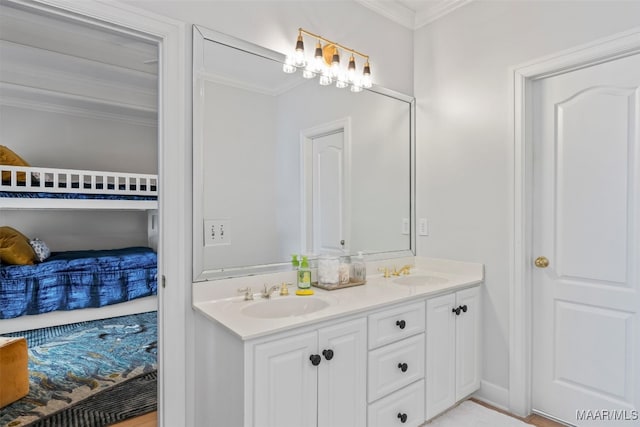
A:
(541, 262)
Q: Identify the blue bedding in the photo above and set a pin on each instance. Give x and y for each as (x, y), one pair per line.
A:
(77, 279)
(74, 196)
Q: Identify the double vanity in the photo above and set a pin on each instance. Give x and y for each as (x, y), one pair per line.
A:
(396, 351)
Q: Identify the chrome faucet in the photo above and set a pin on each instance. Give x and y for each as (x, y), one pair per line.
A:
(266, 293)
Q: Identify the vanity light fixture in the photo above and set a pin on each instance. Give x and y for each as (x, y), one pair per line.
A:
(326, 64)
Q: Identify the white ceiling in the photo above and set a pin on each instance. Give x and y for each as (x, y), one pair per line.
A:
(413, 14)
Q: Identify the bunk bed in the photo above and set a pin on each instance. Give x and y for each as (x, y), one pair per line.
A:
(75, 286)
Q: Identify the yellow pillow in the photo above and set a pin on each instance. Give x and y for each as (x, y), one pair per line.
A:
(8, 157)
(15, 247)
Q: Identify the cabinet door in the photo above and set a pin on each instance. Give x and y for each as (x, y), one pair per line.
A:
(440, 355)
(285, 382)
(468, 342)
(342, 375)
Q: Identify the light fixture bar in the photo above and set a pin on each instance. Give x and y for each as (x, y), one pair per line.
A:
(319, 37)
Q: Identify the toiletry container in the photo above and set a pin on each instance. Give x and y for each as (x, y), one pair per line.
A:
(304, 274)
(359, 268)
(345, 267)
(328, 271)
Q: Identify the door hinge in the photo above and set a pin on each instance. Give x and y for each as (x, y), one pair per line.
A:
(164, 282)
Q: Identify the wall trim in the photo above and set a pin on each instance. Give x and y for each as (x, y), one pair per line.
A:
(80, 106)
(493, 395)
(520, 309)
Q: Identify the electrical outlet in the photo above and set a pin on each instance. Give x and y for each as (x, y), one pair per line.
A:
(423, 227)
(405, 225)
(217, 232)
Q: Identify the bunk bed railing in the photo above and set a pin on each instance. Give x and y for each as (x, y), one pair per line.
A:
(52, 180)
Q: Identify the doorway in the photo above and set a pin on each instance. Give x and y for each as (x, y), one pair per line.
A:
(325, 174)
(575, 299)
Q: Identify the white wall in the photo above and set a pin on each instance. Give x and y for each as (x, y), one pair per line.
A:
(463, 145)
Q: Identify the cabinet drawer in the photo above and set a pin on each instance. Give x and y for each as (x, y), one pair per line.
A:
(394, 324)
(395, 365)
(406, 404)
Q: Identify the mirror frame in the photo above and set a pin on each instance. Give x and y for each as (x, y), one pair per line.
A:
(200, 36)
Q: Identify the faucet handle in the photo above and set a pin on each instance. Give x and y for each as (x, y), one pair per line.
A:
(384, 271)
(284, 290)
(248, 295)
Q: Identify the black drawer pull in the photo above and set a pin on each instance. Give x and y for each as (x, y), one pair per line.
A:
(328, 354)
(315, 359)
(403, 417)
(403, 367)
(401, 324)
(456, 310)
(464, 308)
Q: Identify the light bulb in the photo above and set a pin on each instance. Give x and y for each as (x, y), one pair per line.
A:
(288, 66)
(317, 58)
(366, 76)
(356, 88)
(351, 70)
(341, 84)
(335, 64)
(308, 73)
(298, 57)
(325, 80)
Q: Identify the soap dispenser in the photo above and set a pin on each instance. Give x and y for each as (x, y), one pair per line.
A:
(304, 278)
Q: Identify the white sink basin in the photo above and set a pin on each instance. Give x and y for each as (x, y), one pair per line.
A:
(420, 280)
(285, 307)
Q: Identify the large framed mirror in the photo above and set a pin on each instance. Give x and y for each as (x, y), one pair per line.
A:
(285, 166)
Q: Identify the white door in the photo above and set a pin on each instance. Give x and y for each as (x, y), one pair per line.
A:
(440, 374)
(586, 336)
(328, 193)
(285, 382)
(468, 342)
(342, 375)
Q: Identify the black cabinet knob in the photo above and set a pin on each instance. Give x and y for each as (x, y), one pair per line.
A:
(401, 324)
(403, 367)
(456, 311)
(464, 308)
(315, 359)
(403, 417)
(328, 354)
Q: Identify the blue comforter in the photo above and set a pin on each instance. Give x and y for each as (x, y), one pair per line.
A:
(78, 279)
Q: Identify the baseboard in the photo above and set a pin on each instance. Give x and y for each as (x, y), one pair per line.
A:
(493, 395)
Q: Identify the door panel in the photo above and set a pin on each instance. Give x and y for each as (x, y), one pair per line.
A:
(286, 383)
(468, 342)
(328, 193)
(586, 222)
(342, 379)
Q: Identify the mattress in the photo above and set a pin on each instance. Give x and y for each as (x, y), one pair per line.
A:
(73, 196)
(78, 279)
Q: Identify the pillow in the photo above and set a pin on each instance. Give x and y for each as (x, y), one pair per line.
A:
(15, 247)
(40, 248)
(8, 157)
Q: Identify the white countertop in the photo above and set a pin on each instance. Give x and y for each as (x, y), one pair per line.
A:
(378, 292)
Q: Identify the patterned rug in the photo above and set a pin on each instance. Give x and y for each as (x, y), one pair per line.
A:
(69, 364)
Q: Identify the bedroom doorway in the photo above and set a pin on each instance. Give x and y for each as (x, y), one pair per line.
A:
(118, 22)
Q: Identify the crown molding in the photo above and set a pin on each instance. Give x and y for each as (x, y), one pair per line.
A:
(437, 10)
(392, 10)
(399, 13)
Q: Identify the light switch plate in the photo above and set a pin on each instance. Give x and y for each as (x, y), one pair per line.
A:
(217, 232)
(405, 225)
(423, 227)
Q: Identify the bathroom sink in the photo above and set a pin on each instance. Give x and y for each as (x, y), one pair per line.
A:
(419, 280)
(285, 307)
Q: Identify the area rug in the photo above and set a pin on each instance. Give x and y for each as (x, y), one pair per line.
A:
(471, 414)
(70, 364)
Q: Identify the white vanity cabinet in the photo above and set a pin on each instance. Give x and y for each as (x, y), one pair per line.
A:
(396, 366)
(453, 349)
(317, 378)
